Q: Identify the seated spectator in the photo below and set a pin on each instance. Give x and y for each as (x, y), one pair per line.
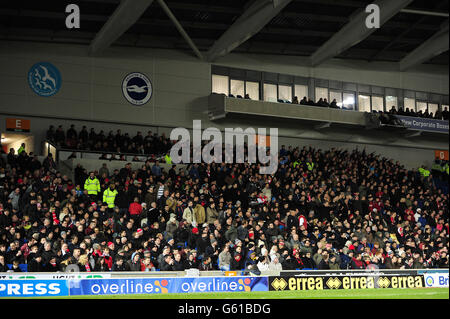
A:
(445, 113)
(311, 102)
(304, 101)
(333, 104)
(393, 110)
(320, 102)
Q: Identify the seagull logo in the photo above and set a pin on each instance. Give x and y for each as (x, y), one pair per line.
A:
(137, 89)
(44, 79)
(47, 77)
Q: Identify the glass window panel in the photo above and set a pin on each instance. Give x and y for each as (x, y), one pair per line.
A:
(237, 88)
(270, 92)
(364, 103)
(349, 101)
(433, 107)
(421, 106)
(409, 104)
(334, 95)
(301, 91)
(377, 103)
(321, 93)
(391, 101)
(220, 84)
(252, 89)
(285, 92)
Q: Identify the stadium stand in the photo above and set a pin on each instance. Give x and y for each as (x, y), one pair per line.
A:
(322, 209)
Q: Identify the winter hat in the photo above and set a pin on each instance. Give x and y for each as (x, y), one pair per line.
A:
(195, 230)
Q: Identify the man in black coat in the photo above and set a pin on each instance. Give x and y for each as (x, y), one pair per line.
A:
(36, 264)
(179, 264)
(119, 265)
(167, 263)
(3, 266)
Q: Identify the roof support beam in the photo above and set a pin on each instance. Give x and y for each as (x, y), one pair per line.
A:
(407, 30)
(434, 46)
(248, 24)
(126, 14)
(355, 31)
(427, 13)
(180, 29)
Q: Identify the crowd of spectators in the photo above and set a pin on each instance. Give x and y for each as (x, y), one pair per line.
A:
(323, 102)
(439, 115)
(322, 209)
(117, 142)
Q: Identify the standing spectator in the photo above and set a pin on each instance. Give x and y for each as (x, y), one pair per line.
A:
(92, 186)
(109, 196)
(225, 259)
(135, 210)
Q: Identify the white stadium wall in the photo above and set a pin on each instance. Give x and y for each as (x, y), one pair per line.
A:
(91, 94)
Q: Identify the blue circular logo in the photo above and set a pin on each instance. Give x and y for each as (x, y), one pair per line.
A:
(44, 79)
(137, 88)
(429, 281)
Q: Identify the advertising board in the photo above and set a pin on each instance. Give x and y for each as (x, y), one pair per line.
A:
(436, 279)
(344, 282)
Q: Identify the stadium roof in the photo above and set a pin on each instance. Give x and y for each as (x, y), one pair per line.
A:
(412, 31)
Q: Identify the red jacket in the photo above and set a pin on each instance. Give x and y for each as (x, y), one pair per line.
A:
(302, 221)
(358, 264)
(135, 209)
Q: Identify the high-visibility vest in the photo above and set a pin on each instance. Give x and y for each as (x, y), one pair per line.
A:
(109, 196)
(168, 159)
(424, 172)
(20, 150)
(436, 167)
(310, 166)
(92, 186)
(446, 168)
(296, 163)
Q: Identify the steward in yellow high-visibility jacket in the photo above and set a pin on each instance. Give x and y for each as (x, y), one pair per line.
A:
(424, 172)
(109, 196)
(310, 166)
(92, 185)
(436, 168)
(21, 148)
(168, 159)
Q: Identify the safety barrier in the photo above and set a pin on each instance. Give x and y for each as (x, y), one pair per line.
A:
(82, 284)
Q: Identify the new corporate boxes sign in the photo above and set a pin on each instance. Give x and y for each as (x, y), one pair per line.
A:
(78, 287)
(424, 124)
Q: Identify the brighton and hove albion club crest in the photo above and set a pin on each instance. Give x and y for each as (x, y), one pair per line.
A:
(137, 88)
(44, 79)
